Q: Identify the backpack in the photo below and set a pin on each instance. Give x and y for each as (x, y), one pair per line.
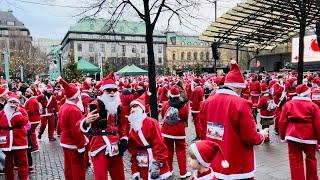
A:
(171, 117)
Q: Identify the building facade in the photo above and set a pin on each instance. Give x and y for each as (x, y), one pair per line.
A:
(45, 45)
(124, 44)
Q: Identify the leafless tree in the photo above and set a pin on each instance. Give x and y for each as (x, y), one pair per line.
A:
(182, 11)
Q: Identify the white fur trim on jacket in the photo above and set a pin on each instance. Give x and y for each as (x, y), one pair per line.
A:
(173, 137)
(198, 155)
(124, 137)
(19, 147)
(82, 127)
(226, 91)
(301, 98)
(267, 117)
(234, 176)
(300, 140)
(236, 85)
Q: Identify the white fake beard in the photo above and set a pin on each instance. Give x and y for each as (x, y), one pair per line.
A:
(111, 104)
(136, 119)
(8, 111)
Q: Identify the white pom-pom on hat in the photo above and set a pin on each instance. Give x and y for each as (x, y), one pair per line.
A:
(149, 93)
(225, 164)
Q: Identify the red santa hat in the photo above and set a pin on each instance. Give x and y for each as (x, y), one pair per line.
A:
(3, 91)
(141, 101)
(14, 97)
(272, 82)
(70, 90)
(174, 92)
(49, 87)
(205, 151)
(234, 77)
(303, 90)
(219, 80)
(264, 88)
(109, 82)
(196, 80)
(85, 86)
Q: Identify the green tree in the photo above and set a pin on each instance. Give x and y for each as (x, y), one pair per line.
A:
(71, 71)
(106, 68)
(197, 69)
(167, 71)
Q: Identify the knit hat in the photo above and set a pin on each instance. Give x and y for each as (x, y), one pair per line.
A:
(234, 77)
(205, 151)
(174, 92)
(3, 91)
(264, 88)
(14, 97)
(141, 101)
(303, 90)
(109, 82)
(70, 90)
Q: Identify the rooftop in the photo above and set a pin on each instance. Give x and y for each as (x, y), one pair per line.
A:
(7, 19)
(183, 39)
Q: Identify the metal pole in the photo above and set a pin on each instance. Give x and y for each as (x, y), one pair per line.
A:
(237, 59)
(215, 19)
(21, 73)
(6, 56)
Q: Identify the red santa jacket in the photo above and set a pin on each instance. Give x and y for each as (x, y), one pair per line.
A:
(175, 131)
(263, 104)
(255, 88)
(13, 135)
(164, 94)
(70, 117)
(116, 130)
(148, 141)
(300, 121)
(315, 96)
(246, 92)
(33, 110)
(279, 94)
(231, 124)
(196, 98)
(49, 106)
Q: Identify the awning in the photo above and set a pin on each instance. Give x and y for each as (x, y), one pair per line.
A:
(87, 67)
(132, 70)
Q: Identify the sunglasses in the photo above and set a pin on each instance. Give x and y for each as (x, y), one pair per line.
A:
(111, 90)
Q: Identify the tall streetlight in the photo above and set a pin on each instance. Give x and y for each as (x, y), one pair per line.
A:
(215, 45)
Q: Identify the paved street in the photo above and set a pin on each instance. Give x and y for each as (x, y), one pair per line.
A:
(271, 161)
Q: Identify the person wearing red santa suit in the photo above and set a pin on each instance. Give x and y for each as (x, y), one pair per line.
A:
(33, 110)
(196, 98)
(3, 97)
(278, 91)
(13, 138)
(201, 155)
(246, 92)
(49, 108)
(164, 92)
(72, 140)
(141, 88)
(290, 86)
(126, 98)
(315, 91)
(234, 128)
(267, 108)
(175, 113)
(108, 133)
(299, 124)
(255, 90)
(149, 154)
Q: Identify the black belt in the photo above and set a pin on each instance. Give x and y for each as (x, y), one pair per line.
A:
(103, 133)
(140, 148)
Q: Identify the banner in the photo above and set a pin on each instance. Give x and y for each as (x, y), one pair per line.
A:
(311, 49)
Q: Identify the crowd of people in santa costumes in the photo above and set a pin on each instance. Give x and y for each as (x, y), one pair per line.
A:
(96, 123)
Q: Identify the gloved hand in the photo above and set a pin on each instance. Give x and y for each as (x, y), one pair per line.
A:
(122, 146)
(155, 170)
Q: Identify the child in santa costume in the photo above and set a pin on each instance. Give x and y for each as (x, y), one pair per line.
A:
(175, 113)
(13, 138)
(149, 154)
(299, 124)
(201, 155)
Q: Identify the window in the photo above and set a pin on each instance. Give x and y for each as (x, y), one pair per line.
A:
(123, 38)
(143, 48)
(123, 50)
(195, 56)
(134, 49)
(174, 56)
(173, 40)
(182, 56)
(91, 59)
(113, 48)
(201, 56)
(79, 47)
(160, 60)
(79, 58)
(159, 49)
(207, 56)
(91, 48)
(143, 60)
(102, 48)
(189, 56)
(10, 23)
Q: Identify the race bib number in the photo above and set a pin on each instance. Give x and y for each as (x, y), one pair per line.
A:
(114, 149)
(215, 131)
(142, 159)
(3, 139)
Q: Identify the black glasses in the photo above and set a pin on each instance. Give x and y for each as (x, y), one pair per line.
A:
(111, 90)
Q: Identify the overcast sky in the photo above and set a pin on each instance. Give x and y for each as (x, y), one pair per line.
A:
(52, 18)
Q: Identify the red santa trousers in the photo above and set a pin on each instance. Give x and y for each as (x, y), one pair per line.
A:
(35, 144)
(277, 114)
(50, 121)
(255, 100)
(296, 151)
(102, 164)
(74, 164)
(180, 145)
(198, 125)
(20, 158)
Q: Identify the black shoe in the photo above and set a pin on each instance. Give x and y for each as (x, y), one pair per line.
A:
(195, 139)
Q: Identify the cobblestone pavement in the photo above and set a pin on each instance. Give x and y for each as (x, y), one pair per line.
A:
(271, 160)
